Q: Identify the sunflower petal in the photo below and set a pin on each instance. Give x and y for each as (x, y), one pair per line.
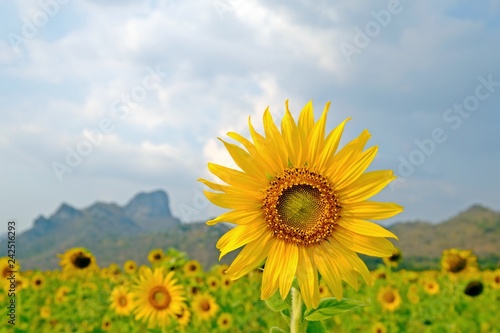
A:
(270, 278)
(371, 210)
(307, 277)
(239, 236)
(250, 257)
(366, 228)
(372, 246)
(366, 186)
(324, 258)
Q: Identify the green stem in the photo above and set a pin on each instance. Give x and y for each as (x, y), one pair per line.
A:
(296, 315)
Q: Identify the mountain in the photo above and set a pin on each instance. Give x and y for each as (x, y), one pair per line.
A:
(476, 229)
(100, 223)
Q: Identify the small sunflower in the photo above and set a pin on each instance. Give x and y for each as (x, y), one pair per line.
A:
(78, 260)
(204, 306)
(130, 267)
(458, 261)
(121, 301)
(7, 267)
(106, 324)
(226, 283)
(412, 294)
(378, 327)
(61, 293)
(495, 279)
(301, 206)
(45, 312)
(155, 256)
(389, 298)
(431, 287)
(394, 259)
(37, 281)
(324, 292)
(192, 268)
(157, 297)
(224, 322)
(213, 283)
(183, 317)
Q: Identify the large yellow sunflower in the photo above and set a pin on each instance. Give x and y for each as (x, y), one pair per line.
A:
(158, 298)
(78, 260)
(301, 204)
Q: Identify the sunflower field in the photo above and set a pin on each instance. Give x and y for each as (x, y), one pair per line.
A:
(175, 294)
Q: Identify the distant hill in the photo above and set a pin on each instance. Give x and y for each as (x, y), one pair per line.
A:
(115, 234)
(476, 229)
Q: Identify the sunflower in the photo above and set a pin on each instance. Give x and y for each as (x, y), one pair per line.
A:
(389, 298)
(457, 261)
(412, 294)
(61, 294)
(121, 301)
(130, 267)
(156, 256)
(302, 205)
(78, 260)
(226, 283)
(495, 279)
(324, 292)
(378, 327)
(44, 312)
(106, 324)
(431, 287)
(183, 317)
(204, 306)
(394, 259)
(224, 322)
(213, 283)
(7, 267)
(37, 281)
(157, 297)
(192, 268)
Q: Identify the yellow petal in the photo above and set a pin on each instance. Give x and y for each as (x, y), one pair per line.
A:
(366, 186)
(239, 236)
(271, 269)
(330, 146)
(287, 268)
(371, 210)
(291, 137)
(236, 177)
(237, 217)
(273, 135)
(356, 168)
(250, 257)
(325, 260)
(244, 161)
(372, 246)
(318, 137)
(233, 201)
(366, 228)
(307, 277)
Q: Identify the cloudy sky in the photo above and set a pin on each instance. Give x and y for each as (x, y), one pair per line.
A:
(100, 100)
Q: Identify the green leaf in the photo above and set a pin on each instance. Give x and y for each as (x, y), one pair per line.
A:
(275, 329)
(276, 304)
(315, 327)
(329, 307)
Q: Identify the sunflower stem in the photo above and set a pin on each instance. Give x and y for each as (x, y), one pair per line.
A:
(296, 315)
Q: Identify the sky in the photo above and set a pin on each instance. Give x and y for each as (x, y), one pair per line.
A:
(100, 100)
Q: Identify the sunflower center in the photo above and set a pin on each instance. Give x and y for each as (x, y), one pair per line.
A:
(301, 207)
(205, 306)
(157, 256)
(389, 297)
(6, 272)
(38, 282)
(497, 279)
(80, 260)
(123, 301)
(456, 263)
(159, 297)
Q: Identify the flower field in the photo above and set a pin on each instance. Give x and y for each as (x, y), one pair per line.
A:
(174, 294)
